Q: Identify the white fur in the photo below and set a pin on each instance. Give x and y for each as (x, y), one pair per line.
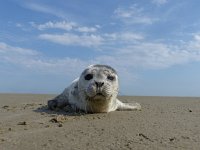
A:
(89, 96)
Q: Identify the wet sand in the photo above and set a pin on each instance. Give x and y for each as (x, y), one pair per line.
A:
(164, 123)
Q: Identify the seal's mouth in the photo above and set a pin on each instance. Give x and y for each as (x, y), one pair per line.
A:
(100, 94)
(96, 95)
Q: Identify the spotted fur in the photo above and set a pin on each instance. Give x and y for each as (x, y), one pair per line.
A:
(94, 93)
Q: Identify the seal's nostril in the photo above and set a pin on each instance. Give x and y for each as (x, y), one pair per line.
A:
(99, 84)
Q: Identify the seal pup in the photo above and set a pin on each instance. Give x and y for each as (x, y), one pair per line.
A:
(95, 91)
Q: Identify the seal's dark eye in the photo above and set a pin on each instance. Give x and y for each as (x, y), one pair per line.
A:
(110, 77)
(88, 76)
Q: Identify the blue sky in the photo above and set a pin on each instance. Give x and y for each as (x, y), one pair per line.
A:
(153, 44)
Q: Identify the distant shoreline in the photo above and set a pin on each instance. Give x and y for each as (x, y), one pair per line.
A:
(54, 94)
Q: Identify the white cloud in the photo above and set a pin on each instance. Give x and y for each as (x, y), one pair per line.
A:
(159, 2)
(141, 55)
(86, 29)
(194, 46)
(56, 25)
(45, 9)
(7, 49)
(197, 37)
(64, 25)
(124, 36)
(74, 39)
(93, 40)
(19, 25)
(153, 55)
(32, 60)
(133, 15)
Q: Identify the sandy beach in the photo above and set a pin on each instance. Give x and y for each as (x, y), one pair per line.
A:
(163, 123)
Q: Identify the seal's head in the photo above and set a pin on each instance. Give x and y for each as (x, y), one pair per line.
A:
(99, 82)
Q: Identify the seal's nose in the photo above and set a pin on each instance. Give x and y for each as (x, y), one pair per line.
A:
(99, 84)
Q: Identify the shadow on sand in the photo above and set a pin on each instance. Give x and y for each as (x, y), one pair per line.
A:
(68, 111)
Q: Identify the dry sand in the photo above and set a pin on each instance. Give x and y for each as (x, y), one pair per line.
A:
(163, 123)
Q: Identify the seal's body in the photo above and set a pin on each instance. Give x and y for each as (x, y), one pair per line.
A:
(95, 91)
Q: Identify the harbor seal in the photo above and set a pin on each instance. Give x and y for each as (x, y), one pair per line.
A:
(95, 91)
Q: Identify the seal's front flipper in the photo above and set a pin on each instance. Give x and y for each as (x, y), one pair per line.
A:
(128, 106)
(58, 102)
